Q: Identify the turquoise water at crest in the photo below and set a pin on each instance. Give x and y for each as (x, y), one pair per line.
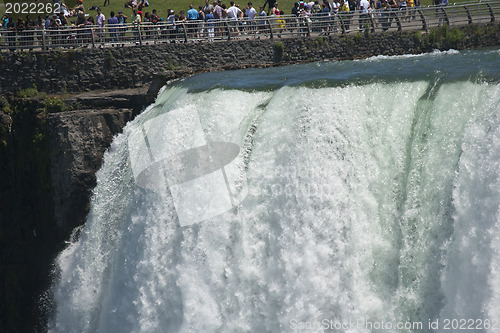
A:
(373, 205)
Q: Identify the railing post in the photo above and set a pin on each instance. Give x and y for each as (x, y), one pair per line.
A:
(398, 21)
(44, 39)
(468, 14)
(491, 13)
(270, 28)
(422, 18)
(341, 23)
(445, 16)
(92, 32)
(372, 23)
(185, 32)
(308, 24)
(228, 30)
(140, 33)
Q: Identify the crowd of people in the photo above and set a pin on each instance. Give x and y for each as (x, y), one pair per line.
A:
(201, 20)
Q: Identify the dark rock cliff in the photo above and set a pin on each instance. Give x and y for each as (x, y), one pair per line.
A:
(52, 145)
(48, 165)
(77, 141)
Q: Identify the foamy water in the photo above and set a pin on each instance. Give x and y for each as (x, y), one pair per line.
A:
(371, 207)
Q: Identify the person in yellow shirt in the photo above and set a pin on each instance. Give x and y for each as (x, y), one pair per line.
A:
(411, 7)
(344, 6)
(344, 11)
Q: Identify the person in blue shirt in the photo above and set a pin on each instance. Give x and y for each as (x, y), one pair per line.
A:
(192, 16)
(209, 18)
(113, 23)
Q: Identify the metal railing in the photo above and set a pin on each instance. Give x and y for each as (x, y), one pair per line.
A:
(411, 18)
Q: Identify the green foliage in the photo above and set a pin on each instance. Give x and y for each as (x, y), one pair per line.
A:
(358, 37)
(319, 41)
(53, 105)
(430, 38)
(348, 40)
(170, 65)
(279, 49)
(417, 36)
(6, 107)
(111, 57)
(71, 53)
(63, 56)
(451, 37)
(23, 54)
(368, 36)
(38, 137)
(68, 56)
(77, 106)
(478, 29)
(454, 36)
(279, 46)
(444, 37)
(57, 56)
(28, 92)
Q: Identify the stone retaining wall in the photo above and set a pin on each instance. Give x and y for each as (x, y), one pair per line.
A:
(134, 66)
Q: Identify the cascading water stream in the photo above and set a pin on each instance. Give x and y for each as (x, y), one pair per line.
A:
(371, 201)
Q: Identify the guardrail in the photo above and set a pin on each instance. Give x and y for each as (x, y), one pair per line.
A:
(412, 18)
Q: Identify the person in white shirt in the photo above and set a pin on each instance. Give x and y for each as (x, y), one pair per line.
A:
(233, 13)
(100, 18)
(99, 21)
(335, 7)
(363, 17)
(250, 13)
(363, 6)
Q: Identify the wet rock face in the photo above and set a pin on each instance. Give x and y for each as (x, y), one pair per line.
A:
(48, 163)
(78, 140)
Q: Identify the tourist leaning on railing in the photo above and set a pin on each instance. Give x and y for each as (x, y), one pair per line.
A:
(136, 18)
(233, 13)
(250, 14)
(363, 17)
(209, 19)
(169, 30)
(411, 9)
(113, 24)
(344, 11)
(11, 32)
(439, 9)
(217, 10)
(201, 22)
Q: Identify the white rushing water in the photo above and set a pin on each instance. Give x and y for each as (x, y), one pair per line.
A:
(370, 208)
